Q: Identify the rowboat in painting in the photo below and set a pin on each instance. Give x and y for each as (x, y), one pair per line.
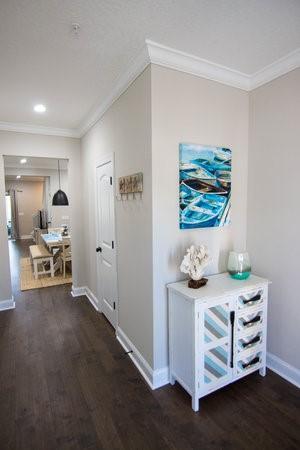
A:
(187, 166)
(199, 173)
(224, 178)
(201, 187)
(222, 154)
(213, 165)
(186, 195)
(204, 211)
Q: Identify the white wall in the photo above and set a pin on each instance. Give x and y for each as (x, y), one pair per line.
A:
(143, 129)
(183, 108)
(273, 207)
(5, 282)
(186, 108)
(23, 144)
(125, 130)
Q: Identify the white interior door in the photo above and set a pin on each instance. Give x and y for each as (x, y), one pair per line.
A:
(106, 248)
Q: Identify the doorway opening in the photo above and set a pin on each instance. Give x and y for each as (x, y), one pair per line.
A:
(38, 231)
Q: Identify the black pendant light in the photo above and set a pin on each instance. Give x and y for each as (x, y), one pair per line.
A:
(60, 198)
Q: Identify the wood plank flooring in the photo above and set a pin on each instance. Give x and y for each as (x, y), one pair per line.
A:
(65, 383)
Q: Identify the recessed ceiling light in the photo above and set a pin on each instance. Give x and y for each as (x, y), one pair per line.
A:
(18, 177)
(39, 108)
(23, 161)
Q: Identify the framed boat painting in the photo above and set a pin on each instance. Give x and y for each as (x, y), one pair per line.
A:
(204, 186)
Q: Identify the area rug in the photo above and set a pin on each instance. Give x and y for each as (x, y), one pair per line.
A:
(27, 280)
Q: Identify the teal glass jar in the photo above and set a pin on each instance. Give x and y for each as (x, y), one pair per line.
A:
(239, 266)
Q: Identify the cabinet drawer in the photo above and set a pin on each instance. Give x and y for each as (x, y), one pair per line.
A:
(250, 320)
(248, 363)
(251, 298)
(249, 342)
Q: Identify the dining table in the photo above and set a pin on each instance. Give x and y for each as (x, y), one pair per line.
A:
(55, 242)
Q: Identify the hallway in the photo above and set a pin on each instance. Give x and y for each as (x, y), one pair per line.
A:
(67, 384)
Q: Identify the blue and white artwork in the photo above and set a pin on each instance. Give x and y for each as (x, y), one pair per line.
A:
(204, 186)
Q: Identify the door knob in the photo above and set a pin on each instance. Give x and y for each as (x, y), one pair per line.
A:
(99, 249)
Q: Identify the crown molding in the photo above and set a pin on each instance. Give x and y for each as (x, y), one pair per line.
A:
(154, 53)
(276, 69)
(38, 129)
(184, 62)
(136, 67)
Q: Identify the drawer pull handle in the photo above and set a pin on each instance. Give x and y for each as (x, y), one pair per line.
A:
(254, 320)
(232, 317)
(251, 363)
(256, 298)
(253, 341)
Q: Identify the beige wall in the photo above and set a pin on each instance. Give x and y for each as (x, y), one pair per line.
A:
(273, 207)
(183, 108)
(143, 129)
(25, 144)
(125, 130)
(29, 196)
(186, 108)
(57, 215)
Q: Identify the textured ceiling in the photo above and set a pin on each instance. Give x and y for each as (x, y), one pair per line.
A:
(43, 62)
(24, 178)
(34, 163)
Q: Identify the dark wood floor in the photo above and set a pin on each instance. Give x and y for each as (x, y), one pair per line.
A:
(65, 383)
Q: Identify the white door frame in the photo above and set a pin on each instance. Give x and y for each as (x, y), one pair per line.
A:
(15, 147)
(109, 157)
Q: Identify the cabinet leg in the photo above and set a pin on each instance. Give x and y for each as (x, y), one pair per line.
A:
(262, 371)
(172, 380)
(195, 403)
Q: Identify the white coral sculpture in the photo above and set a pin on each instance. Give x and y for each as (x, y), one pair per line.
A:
(195, 261)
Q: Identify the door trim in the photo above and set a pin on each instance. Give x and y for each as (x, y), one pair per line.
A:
(109, 157)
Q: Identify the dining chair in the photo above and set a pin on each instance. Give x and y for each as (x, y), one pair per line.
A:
(66, 256)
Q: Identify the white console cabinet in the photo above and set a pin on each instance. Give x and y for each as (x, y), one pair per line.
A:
(217, 334)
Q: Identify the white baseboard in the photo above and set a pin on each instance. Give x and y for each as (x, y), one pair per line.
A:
(154, 378)
(92, 298)
(7, 304)
(283, 369)
(84, 290)
(78, 291)
(138, 360)
(26, 236)
(160, 377)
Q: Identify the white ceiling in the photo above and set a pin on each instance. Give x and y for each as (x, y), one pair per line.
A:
(24, 178)
(13, 162)
(43, 62)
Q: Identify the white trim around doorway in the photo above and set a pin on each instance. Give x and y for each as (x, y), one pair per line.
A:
(7, 304)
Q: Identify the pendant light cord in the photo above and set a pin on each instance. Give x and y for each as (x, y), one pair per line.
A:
(58, 173)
